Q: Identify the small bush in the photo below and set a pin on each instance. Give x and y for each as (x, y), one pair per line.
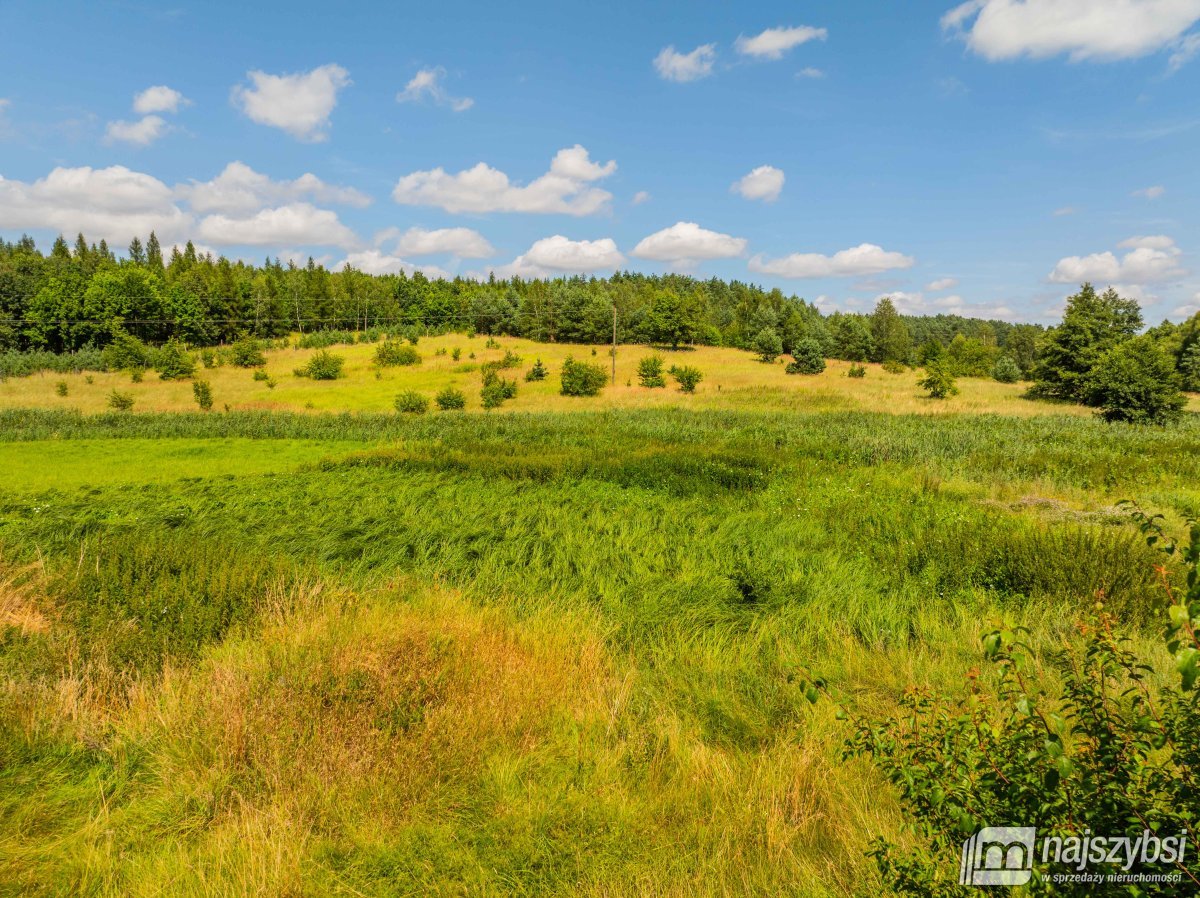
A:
(260, 374)
(412, 402)
(451, 399)
(202, 393)
(136, 375)
(173, 362)
(891, 366)
(491, 344)
(537, 372)
(1006, 370)
(496, 389)
(768, 345)
(125, 352)
(1135, 382)
(807, 358)
(510, 360)
(582, 378)
(938, 381)
(391, 353)
(857, 371)
(247, 353)
(61, 388)
(687, 377)
(650, 372)
(89, 380)
(456, 353)
(208, 358)
(121, 402)
(322, 366)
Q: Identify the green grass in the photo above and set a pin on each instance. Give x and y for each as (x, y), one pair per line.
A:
(516, 654)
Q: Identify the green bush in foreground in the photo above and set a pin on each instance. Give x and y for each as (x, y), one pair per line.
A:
(807, 358)
(121, 402)
(247, 353)
(202, 393)
(173, 362)
(1134, 382)
(582, 378)
(451, 399)
(126, 353)
(768, 345)
(687, 377)
(857, 371)
(1006, 371)
(650, 372)
(60, 388)
(412, 402)
(322, 366)
(938, 382)
(537, 372)
(1110, 754)
(496, 389)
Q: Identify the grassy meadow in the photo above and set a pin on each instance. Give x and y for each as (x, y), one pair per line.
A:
(271, 651)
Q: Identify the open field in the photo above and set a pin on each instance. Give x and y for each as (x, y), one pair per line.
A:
(732, 379)
(523, 653)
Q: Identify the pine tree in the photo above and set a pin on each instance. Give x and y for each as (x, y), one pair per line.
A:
(136, 254)
(154, 257)
(893, 342)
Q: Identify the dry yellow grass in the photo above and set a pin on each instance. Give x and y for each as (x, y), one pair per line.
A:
(732, 379)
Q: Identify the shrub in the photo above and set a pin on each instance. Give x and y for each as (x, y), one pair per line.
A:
(173, 362)
(260, 374)
(510, 360)
(768, 345)
(1189, 368)
(136, 375)
(582, 378)
(202, 393)
(89, 380)
(391, 353)
(61, 388)
(687, 377)
(807, 358)
(496, 389)
(451, 399)
(891, 366)
(537, 372)
(650, 372)
(1134, 382)
(456, 353)
(125, 352)
(491, 343)
(938, 381)
(857, 371)
(121, 402)
(1006, 370)
(247, 353)
(208, 358)
(412, 402)
(1110, 752)
(322, 366)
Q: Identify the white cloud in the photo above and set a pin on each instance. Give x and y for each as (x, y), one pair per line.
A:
(297, 223)
(239, 189)
(763, 183)
(810, 72)
(112, 203)
(919, 304)
(1083, 29)
(942, 284)
(141, 133)
(866, 258)
(1184, 51)
(299, 103)
(564, 189)
(1150, 193)
(1149, 260)
(373, 261)
(642, 196)
(557, 253)
(685, 243)
(675, 66)
(774, 42)
(159, 98)
(1065, 210)
(461, 242)
(428, 83)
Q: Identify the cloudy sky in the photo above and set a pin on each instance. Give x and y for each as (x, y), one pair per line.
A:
(982, 158)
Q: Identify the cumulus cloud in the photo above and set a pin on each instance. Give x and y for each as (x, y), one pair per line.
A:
(774, 42)
(866, 258)
(675, 66)
(1184, 51)
(763, 183)
(942, 284)
(461, 242)
(565, 189)
(374, 261)
(1150, 193)
(810, 72)
(298, 103)
(142, 132)
(296, 223)
(919, 304)
(159, 98)
(1150, 260)
(557, 255)
(685, 243)
(427, 84)
(239, 189)
(113, 203)
(1082, 29)
(642, 196)
(1064, 210)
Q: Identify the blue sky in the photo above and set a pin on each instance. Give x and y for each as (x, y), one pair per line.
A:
(981, 158)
